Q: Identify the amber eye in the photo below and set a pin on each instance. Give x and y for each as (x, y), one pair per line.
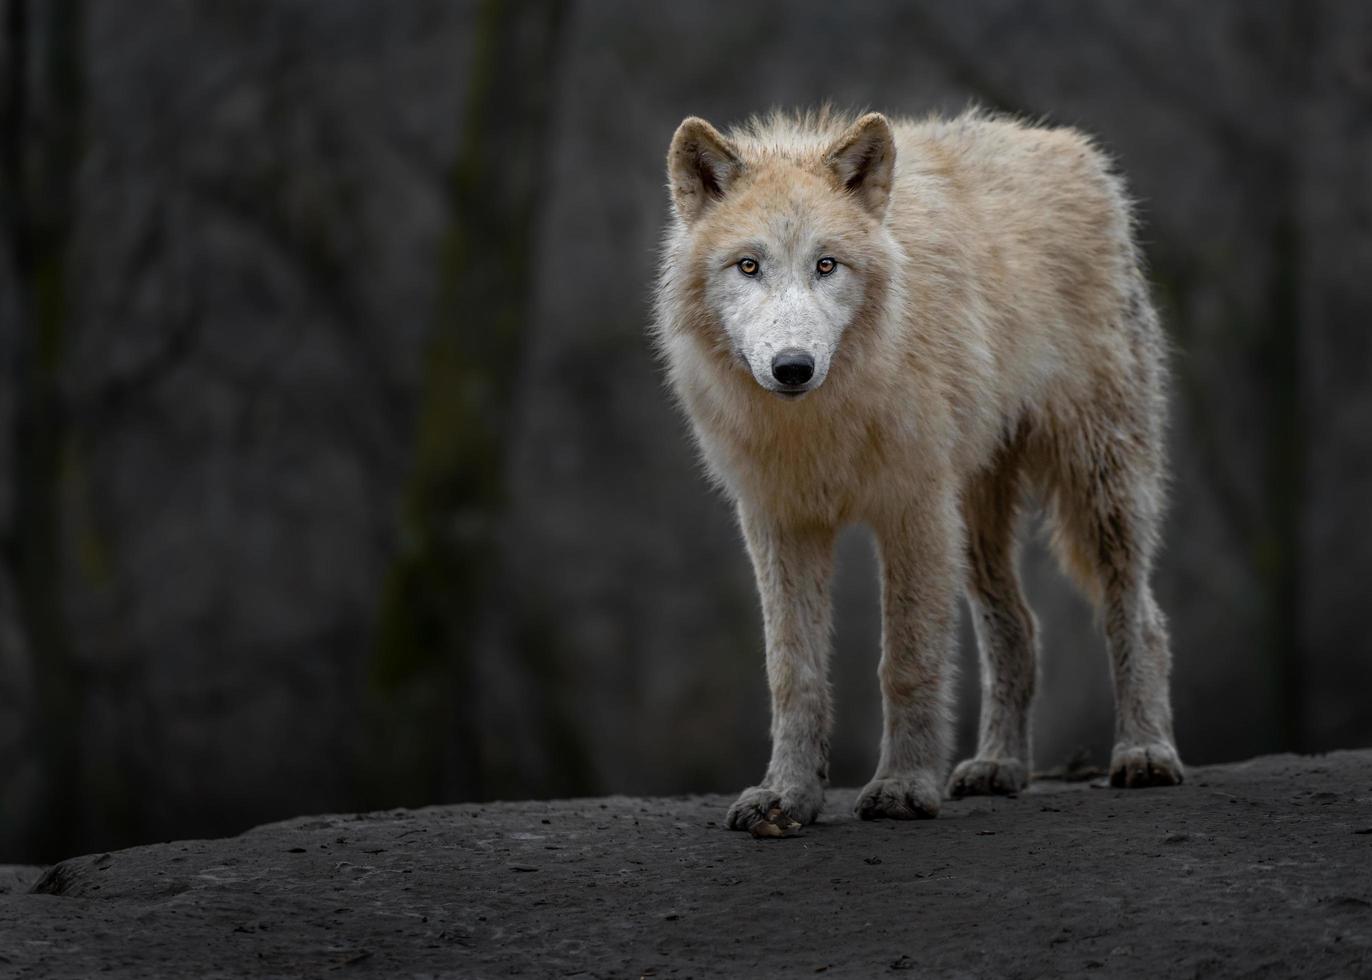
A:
(748, 267)
(825, 266)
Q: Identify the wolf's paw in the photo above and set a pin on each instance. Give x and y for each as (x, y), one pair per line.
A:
(1151, 764)
(899, 798)
(758, 804)
(987, 777)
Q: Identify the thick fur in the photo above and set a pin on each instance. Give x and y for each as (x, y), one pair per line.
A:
(986, 331)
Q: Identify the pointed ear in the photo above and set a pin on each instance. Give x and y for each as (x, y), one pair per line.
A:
(863, 161)
(701, 165)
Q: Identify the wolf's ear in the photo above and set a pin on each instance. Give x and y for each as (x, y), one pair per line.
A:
(701, 165)
(863, 160)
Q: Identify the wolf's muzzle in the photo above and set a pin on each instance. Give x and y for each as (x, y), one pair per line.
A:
(793, 368)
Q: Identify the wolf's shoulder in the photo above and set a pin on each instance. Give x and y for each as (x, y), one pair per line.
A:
(980, 139)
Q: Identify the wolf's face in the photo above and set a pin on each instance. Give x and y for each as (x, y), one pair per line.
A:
(783, 243)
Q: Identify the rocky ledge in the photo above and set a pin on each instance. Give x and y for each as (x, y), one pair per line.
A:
(1257, 869)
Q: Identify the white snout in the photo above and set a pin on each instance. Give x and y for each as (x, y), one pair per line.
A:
(786, 335)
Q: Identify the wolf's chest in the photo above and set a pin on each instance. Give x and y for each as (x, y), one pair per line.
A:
(811, 467)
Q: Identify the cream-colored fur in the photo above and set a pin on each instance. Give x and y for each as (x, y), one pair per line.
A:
(969, 294)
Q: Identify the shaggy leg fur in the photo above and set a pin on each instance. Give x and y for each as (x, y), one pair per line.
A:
(1107, 502)
(919, 576)
(1005, 634)
(1136, 632)
(793, 567)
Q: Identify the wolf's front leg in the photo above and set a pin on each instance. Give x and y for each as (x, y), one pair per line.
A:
(919, 589)
(793, 566)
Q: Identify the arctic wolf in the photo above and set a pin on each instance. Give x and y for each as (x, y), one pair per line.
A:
(911, 325)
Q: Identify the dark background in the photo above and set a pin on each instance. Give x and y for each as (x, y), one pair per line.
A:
(336, 472)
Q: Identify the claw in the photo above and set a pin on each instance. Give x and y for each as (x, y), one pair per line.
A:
(1139, 766)
(776, 824)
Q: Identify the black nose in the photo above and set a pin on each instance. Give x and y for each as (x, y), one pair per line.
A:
(793, 367)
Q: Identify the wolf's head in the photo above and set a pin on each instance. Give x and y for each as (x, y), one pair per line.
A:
(781, 239)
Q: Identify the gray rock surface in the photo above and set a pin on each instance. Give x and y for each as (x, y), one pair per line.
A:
(1262, 868)
(17, 878)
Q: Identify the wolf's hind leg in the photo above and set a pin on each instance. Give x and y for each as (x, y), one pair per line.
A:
(1145, 753)
(793, 567)
(1106, 506)
(1005, 633)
